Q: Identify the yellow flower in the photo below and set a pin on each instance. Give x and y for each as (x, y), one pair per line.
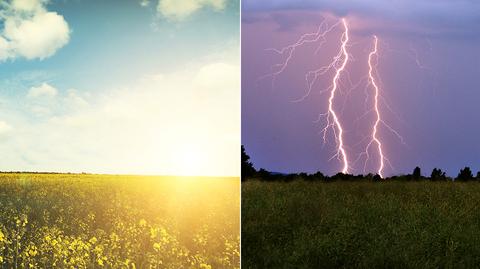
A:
(205, 266)
(153, 232)
(100, 262)
(156, 246)
(142, 222)
(93, 240)
(32, 251)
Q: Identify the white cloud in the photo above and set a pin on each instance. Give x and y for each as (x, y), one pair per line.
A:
(27, 5)
(4, 49)
(75, 100)
(145, 3)
(45, 100)
(181, 9)
(40, 110)
(44, 90)
(216, 76)
(31, 31)
(163, 124)
(5, 129)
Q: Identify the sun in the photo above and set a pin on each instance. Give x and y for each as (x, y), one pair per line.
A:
(190, 160)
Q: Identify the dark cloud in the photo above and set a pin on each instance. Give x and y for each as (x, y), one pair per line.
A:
(442, 18)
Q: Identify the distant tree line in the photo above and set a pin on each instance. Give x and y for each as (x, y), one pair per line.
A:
(46, 173)
(249, 172)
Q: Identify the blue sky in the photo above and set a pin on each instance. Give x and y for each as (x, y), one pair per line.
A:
(123, 40)
(81, 79)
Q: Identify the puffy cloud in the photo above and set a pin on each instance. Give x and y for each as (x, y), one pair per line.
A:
(4, 49)
(27, 5)
(44, 90)
(45, 100)
(180, 9)
(5, 129)
(162, 124)
(216, 76)
(31, 31)
(75, 100)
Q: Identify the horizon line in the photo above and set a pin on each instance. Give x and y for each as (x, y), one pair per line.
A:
(112, 174)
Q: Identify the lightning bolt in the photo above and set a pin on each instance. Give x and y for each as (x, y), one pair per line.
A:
(319, 35)
(378, 119)
(372, 81)
(331, 111)
(337, 66)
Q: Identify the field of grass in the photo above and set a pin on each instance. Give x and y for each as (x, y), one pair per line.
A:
(360, 225)
(97, 221)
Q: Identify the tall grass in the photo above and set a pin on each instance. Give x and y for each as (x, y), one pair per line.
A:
(360, 225)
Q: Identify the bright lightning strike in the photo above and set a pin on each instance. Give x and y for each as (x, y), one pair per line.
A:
(372, 67)
(378, 119)
(289, 50)
(331, 111)
(338, 67)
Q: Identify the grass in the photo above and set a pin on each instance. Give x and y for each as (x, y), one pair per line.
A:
(99, 221)
(360, 225)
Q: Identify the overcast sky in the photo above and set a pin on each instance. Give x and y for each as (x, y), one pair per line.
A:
(429, 67)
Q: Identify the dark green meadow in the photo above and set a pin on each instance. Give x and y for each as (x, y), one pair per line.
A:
(392, 224)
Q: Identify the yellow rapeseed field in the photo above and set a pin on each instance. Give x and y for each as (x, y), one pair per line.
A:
(104, 221)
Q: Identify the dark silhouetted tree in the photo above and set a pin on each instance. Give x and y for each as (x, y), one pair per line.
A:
(465, 175)
(247, 167)
(478, 175)
(377, 178)
(337, 176)
(438, 174)
(417, 173)
(317, 176)
(264, 174)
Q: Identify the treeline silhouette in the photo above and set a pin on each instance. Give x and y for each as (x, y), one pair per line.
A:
(44, 173)
(249, 172)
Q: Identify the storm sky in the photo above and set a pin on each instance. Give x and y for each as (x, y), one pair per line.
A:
(429, 66)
